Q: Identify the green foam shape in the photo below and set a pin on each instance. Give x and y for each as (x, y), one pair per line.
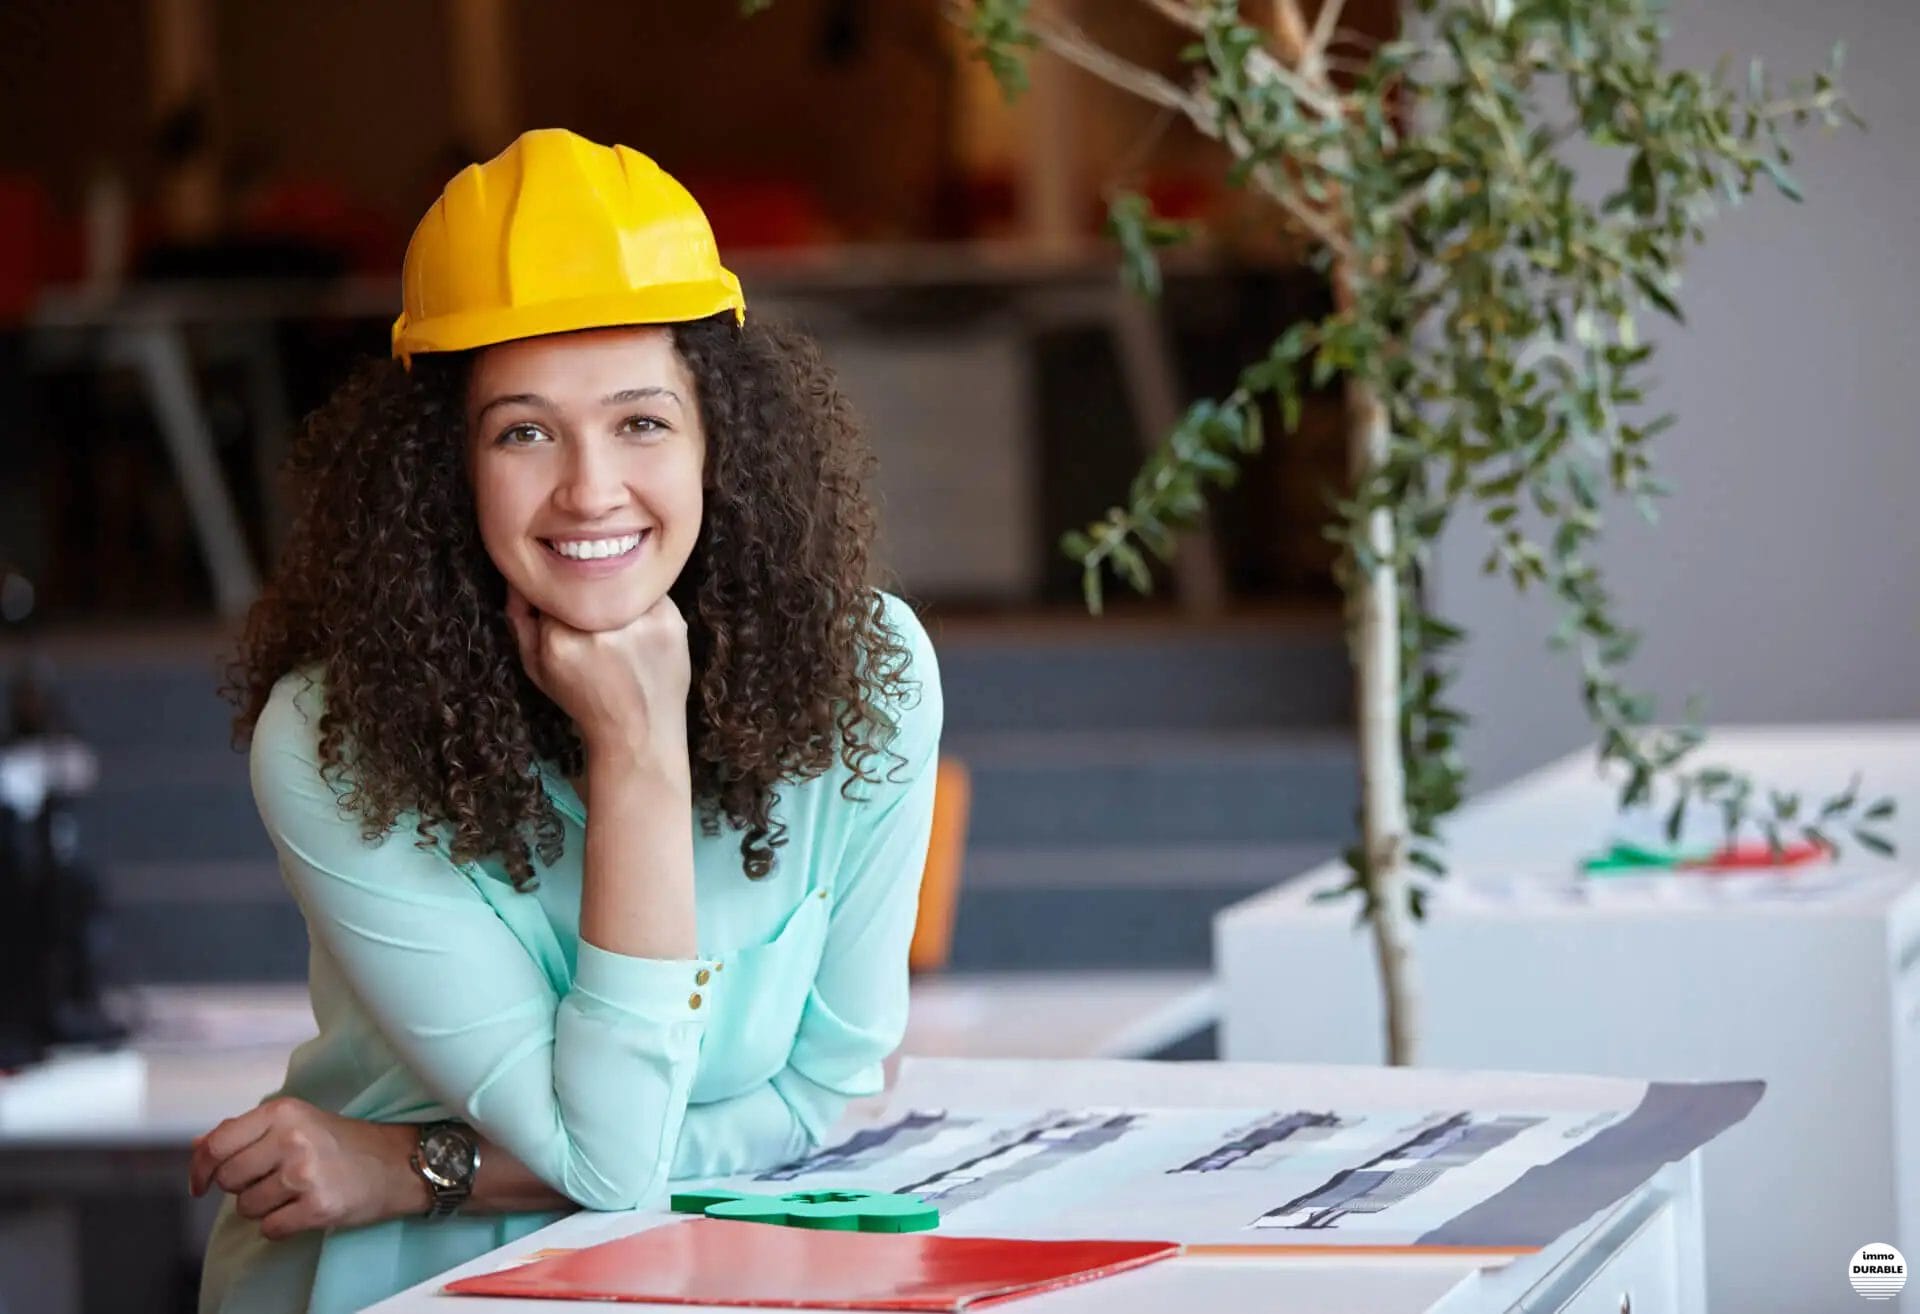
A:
(831, 1211)
(697, 1202)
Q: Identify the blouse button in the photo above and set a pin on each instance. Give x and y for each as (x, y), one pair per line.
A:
(702, 976)
(693, 1000)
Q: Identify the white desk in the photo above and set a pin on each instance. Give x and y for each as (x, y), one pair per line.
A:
(1643, 1255)
(1681, 977)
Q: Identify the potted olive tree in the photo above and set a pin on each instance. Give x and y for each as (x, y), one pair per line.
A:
(1486, 327)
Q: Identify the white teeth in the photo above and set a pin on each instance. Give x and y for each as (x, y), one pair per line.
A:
(592, 549)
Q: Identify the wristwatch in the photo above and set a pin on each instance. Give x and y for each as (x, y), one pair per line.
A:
(446, 1156)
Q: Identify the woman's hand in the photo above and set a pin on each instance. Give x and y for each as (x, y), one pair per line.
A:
(294, 1168)
(625, 689)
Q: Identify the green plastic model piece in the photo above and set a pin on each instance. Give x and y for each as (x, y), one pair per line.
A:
(1636, 857)
(833, 1211)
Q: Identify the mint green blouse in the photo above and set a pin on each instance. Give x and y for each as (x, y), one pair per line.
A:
(441, 991)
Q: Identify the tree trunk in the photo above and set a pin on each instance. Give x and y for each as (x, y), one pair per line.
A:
(1376, 657)
(1373, 622)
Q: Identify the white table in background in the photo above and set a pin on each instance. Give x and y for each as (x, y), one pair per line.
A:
(1685, 977)
(216, 1050)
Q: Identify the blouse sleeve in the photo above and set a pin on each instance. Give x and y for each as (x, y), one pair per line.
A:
(588, 1088)
(856, 1011)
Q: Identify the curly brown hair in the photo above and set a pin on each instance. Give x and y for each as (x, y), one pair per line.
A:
(383, 583)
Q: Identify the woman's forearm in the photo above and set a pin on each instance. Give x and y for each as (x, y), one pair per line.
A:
(636, 899)
(503, 1185)
(637, 885)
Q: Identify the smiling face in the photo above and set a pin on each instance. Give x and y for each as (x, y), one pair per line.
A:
(585, 451)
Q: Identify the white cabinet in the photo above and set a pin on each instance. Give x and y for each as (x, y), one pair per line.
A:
(1642, 1258)
(1810, 981)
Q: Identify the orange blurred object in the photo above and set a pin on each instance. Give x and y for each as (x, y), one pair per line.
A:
(940, 881)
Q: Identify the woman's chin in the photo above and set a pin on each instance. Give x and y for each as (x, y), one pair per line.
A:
(594, 619)
(591, 615)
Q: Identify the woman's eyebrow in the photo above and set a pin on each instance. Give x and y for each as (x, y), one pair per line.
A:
(513, 399)
(620, 398)
(640, 394)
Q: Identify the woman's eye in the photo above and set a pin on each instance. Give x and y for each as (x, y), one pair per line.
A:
(511, 438)
(643, 424)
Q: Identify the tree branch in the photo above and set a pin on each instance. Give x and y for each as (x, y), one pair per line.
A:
(1177, 12)
(1324, 24)
(1080, 50)
(1290, 27)
(1183, 15)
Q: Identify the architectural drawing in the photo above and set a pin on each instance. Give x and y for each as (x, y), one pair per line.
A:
(869, 1146)
(1055, 1140)
(1408, 1168)
(1287, 1130)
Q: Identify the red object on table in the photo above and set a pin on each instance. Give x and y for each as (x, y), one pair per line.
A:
(712, 1262)
(1746, 856)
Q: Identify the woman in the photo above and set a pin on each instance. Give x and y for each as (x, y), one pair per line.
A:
(601, 775)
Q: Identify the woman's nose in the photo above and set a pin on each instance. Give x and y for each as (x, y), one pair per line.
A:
(591, 485)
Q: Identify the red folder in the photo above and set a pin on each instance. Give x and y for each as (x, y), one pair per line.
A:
(709, 1261)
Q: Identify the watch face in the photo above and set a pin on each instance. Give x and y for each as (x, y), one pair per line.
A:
(446, 1155)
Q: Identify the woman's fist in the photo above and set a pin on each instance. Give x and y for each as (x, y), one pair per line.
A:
(626, 689)
(295, 1168)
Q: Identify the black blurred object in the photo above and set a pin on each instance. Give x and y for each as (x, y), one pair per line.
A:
(843, 32)
(256, 256)
(53, 918)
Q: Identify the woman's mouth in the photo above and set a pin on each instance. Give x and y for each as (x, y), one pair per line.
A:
(597, 556)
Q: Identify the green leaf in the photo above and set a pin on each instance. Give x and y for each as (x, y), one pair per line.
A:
(1658, 295)
(1131, 223)
(1002, 40)
(1642, 186)
(1252, 431)
(1677, 819)
(1782, 179)
(1877, 843)
(1132, 566)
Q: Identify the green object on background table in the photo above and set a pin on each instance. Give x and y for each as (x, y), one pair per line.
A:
(835, 1211)
(1628, 858)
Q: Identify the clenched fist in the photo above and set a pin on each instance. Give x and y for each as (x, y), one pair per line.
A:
(293, 1168)
(626, 689)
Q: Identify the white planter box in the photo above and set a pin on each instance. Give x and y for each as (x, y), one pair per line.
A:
(1810, 981)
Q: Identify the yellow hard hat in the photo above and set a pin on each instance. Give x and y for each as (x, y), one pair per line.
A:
(557, 233)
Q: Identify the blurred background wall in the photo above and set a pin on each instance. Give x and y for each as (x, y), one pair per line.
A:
(235, 182)
(1783, 579)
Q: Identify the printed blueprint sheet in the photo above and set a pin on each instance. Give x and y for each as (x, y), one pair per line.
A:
(1469, 1176)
